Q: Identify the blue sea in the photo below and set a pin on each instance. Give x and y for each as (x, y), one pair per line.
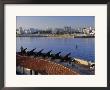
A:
(83, 48)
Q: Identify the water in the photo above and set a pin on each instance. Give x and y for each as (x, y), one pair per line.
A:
(83, 48)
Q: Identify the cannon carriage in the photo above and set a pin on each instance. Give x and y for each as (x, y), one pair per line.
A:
(49, 54)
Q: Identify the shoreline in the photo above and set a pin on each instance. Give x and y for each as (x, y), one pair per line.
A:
(58, 36)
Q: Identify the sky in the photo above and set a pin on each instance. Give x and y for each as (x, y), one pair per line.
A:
(44, 22)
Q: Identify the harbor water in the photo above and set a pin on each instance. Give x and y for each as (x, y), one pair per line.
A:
(82, 48)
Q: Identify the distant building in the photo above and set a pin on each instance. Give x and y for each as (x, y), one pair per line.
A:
(18, 31)
(67, 29)
(59, 31)
(86, 31)
(21, 30)
(49, 30)
(92, 32)
(90, 28)
(27, 31)
(32, 30)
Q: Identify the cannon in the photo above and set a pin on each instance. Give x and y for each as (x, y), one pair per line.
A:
(24, 51)
(29, 53)
(66, 58)
(38, 53)
(56, 56)
(48, 54)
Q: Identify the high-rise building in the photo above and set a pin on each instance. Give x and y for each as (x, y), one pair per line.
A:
(67, 29)
(21, 30)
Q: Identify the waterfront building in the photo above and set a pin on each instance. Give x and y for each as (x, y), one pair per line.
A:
(67, 29)
(90, 28)
(18, 31)
(59, 31)
(21, 30)
(92, 32)
(32, 30)
(26, 31)
(48, 30)
(86, 31)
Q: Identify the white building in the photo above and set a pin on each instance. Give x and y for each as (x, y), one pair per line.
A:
(86, 31)
(93, 32)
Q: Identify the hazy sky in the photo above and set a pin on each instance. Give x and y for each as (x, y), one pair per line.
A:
(43, 22)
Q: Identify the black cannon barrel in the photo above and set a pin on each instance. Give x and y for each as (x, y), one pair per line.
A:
(56, 56)
(67, 55)
(39, 53)
(24, 51)
(31, 52)
(58, 53)
(49, 52)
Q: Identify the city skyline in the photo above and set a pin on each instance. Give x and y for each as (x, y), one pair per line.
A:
(44, 22)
